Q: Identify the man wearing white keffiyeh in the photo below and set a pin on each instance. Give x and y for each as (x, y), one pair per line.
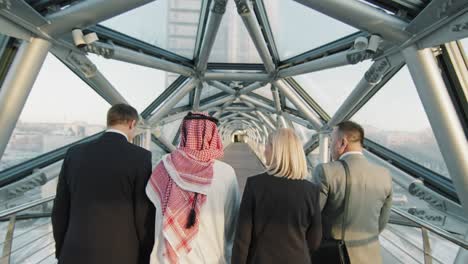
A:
(196, 198)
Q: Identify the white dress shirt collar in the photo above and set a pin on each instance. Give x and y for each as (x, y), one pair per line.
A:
(351, 153)
(117, 131)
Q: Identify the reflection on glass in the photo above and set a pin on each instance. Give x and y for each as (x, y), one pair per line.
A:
(166, 24)
(297, 28)
(233, 43)
(137, 84)
(329, 88)
(395, 118)
(60, 110)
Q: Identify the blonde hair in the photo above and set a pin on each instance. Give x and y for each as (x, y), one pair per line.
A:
(287, 155)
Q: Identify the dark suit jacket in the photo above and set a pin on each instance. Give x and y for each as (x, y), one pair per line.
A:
(279, 221)
(101, 212)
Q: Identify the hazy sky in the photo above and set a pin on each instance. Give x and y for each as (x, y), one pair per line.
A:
(58, 95)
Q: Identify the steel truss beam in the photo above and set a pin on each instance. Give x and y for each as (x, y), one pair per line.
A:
(251, 23)
(112, 51)
(108, 35)
(221, 86)
(237, 76)
(86, 70)
(371, 78)
(363, 17)
(197, 96)
(217, 102)
(299, 102)
(252, 87)
(262, 18)
(204, 14)
(18, 84)
(333, 47)
(216, 15)
(444, 120)
(215, 66)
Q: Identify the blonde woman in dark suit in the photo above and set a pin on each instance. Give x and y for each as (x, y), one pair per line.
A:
(279, 219)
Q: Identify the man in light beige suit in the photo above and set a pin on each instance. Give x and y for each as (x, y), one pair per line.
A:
(370, 195)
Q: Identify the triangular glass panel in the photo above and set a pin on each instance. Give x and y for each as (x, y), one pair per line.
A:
(60, 110)
(184, 102)
(170, 25)
(265, 91)
(297, 28)
(137, 84)
(395, 118)
(290, 105)
(208, 91)
(169, 130)
(329, 88)
(233, 43)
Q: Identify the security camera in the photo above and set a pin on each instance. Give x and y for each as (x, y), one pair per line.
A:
(78, 38)
(361, 43)
(83, 40)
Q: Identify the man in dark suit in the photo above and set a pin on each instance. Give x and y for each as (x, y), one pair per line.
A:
(101, 212)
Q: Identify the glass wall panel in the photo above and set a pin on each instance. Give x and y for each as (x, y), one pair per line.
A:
(170, 25)
(290, 105)
(395, 118)
(208, 91)
(329, 88)
(137, 84)
(60, 110)
(233, 43)
(297, 28)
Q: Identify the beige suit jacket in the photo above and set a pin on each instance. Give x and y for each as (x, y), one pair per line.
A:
(369, 205)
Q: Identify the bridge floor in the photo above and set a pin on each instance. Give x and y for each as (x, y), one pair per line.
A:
(244, 161)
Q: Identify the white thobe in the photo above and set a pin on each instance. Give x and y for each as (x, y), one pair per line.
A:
(218, 217)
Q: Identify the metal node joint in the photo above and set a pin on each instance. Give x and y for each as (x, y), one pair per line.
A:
(242, 7)
(377, 71)
(105, 50)
(82, 64)
(219, 6)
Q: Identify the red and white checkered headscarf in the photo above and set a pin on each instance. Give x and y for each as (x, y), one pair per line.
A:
(200, 138)
(192, 163)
